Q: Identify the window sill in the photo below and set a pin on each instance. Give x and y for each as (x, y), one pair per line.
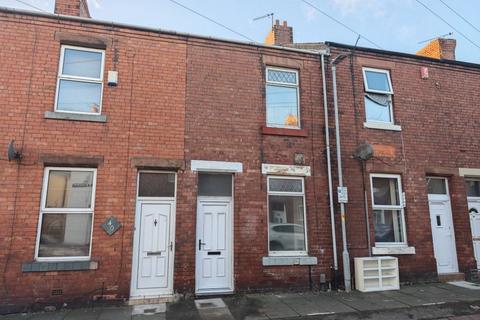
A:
(44, 266)
(75, 116)
(395, 250)
(289, 261)
(382, 126)
(284, 132)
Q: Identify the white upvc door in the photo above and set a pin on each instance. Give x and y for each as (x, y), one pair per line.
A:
(474, 210)
(214, 260)
(442, 231)
(152, 266)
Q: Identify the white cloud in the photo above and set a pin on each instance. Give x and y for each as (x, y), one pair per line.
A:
(96, 3)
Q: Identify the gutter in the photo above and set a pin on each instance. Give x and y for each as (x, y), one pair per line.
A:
(148, 29)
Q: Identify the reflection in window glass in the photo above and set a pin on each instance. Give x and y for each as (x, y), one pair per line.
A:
(66, 213)
(436, 186)
(388, 226)
(69, 189)
(473, 188)
(153, 184)
(388, 209)
(214, 185)
(286, 216)
(82, 63)
(282, 106)
(65, 235)
(282, 98)
(80, 80)
(377, 112)
(377, 81)
(385, 191)
(79, 96)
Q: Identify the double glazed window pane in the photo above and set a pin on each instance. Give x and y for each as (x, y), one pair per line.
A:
(377, 112)
(377, 81)
(214, 185)
(388, 226)
(69, 189)
(473, 188)
(282, 106)
(285, 185)
(286, 223)
(65, 235)
(385, 192)
(153, 184)
(79, 96)
(82, 63)
(282, 76)
(436, 186)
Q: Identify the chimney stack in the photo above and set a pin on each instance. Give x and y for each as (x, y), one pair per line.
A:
(281, 34)
(78, 8)
(439, 48)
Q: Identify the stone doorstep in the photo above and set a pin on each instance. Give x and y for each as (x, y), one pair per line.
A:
(448, 277)
(149, 309)
(152, 300)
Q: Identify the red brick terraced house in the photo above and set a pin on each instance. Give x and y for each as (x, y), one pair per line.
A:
(147, 163)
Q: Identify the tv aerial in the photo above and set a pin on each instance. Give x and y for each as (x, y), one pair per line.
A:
(265, 16)
(12, 153)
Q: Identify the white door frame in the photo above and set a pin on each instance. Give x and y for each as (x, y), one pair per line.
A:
(444, 198)
(152, 293)
(471, 200)
(230, 223)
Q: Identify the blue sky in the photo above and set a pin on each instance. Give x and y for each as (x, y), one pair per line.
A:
(397, 25)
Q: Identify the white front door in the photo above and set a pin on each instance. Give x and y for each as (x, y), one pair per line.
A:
(153, 256)
(442, 225)
(474, 210)
(214, 266)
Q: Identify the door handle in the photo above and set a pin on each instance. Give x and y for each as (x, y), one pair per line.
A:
(200, 243)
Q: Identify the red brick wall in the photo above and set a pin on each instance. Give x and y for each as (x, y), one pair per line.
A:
(438, 117)
(224, 117)
(145, 118)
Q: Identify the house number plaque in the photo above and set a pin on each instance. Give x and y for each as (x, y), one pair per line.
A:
(111, 225)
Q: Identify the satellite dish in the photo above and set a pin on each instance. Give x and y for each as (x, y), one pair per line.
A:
(12, 153)
(363, 152)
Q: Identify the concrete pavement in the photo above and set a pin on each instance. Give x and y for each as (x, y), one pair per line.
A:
(432, 301)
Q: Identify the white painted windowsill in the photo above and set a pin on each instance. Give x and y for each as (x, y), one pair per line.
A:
(382, 126)
(393, 250)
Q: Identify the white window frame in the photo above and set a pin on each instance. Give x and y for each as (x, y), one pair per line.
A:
(471, 179)
(295, 194)
(386, 125)
(282, 84)
(400, 207)
(367, 89)
(44, 210)
(61, 76)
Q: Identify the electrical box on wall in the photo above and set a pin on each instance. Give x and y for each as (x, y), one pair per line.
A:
(112, 78)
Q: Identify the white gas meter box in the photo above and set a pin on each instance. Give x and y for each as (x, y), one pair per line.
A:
(342, 194)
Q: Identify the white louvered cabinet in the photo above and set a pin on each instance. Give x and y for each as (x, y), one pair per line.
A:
(376, 274)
